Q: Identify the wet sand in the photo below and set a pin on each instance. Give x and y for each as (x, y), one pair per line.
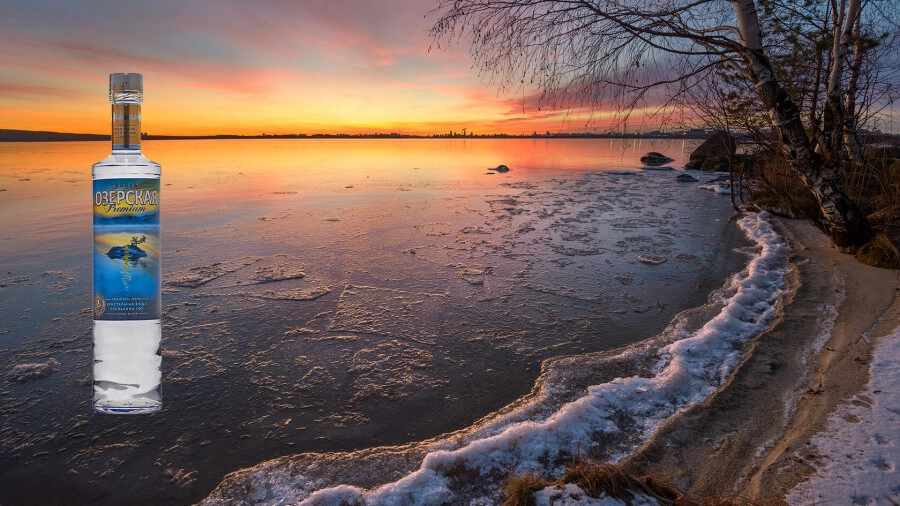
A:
(752, 439)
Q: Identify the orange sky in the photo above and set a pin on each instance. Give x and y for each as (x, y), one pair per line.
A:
(251, 67)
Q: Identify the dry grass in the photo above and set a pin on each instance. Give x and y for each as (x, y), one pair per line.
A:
(598, 479)
(874, 185)
(774, 186)
(519, 489)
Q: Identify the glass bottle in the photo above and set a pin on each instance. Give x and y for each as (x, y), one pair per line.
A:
(126, 289)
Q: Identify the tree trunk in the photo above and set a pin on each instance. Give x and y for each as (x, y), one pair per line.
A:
(842, 221)
(854, 151)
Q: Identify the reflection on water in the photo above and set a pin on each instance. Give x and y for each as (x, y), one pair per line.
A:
(324, 295)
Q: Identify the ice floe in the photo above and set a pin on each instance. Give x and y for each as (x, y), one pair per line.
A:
(537, 437)
(28, 372)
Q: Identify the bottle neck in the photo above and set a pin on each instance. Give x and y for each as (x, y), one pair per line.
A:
(126, 126)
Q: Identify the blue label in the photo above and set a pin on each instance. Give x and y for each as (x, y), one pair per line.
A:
(126, 249)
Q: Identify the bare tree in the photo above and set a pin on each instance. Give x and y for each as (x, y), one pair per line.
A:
(622, 54)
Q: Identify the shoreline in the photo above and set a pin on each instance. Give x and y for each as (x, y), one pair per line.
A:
(608, 401)
(752, 439)
(13, 135)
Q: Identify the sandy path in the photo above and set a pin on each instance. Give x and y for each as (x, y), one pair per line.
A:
(752, 438)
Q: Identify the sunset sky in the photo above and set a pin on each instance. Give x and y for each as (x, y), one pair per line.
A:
(229, 66)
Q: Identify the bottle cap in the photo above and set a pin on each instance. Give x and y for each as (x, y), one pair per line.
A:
(126, 88)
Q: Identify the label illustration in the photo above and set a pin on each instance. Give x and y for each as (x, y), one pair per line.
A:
(126, 249)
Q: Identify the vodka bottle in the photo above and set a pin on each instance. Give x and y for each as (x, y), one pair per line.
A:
(126, 298)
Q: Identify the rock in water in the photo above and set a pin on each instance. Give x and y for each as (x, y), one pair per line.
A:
(500, 168)
(653, 159)
(132, 251)
(686, 178)
(714, 154)
(651, 259)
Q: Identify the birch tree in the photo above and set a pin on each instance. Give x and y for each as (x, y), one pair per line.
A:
(621, 54)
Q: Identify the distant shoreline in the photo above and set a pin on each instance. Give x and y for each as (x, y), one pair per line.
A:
(8, 135)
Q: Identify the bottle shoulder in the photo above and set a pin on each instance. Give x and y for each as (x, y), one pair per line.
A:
(126, 164)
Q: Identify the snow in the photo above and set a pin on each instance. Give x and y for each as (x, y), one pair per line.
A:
(687, 371)
(861, 445)
(723, 187)
(572, 495)
(862, 442)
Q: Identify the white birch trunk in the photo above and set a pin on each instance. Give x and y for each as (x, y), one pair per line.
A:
(843, 222)
(851, 142)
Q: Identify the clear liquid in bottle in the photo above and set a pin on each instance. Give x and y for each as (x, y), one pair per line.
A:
(127, 306)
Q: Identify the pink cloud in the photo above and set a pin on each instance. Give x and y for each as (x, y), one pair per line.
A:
(235, 53)
(36, 92)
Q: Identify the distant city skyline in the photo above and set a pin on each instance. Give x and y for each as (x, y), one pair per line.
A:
(9, 135)
(246, 68)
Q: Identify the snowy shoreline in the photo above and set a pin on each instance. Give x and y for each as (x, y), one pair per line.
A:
(810, 416)
(686, 369)
(855, 457)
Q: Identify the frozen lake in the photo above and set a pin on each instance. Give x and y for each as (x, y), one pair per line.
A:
(334, 295)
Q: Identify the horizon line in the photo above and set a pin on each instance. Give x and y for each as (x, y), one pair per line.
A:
(16, 135)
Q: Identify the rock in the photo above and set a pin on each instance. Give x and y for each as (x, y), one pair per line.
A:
(131, 251)
(879, 252)
(500, 168)
(686, 178)
(715, 154)
(651, 259)
(657, 167)
(653, 158)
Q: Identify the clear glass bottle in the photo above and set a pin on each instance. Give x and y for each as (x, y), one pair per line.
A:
(126, 257)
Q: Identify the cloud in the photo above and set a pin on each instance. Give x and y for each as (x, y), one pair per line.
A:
(256, 64)
(14, 91)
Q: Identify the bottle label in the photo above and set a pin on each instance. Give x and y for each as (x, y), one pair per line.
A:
(126, 249)
(126, 126)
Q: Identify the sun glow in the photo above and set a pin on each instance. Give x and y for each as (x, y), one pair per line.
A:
(293, 69)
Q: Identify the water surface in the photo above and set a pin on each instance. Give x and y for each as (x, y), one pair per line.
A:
(329, 295)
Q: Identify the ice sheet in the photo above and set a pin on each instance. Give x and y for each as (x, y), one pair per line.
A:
(542, 434)
(337, 296)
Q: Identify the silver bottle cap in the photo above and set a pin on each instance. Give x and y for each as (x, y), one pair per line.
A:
(126, 88)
